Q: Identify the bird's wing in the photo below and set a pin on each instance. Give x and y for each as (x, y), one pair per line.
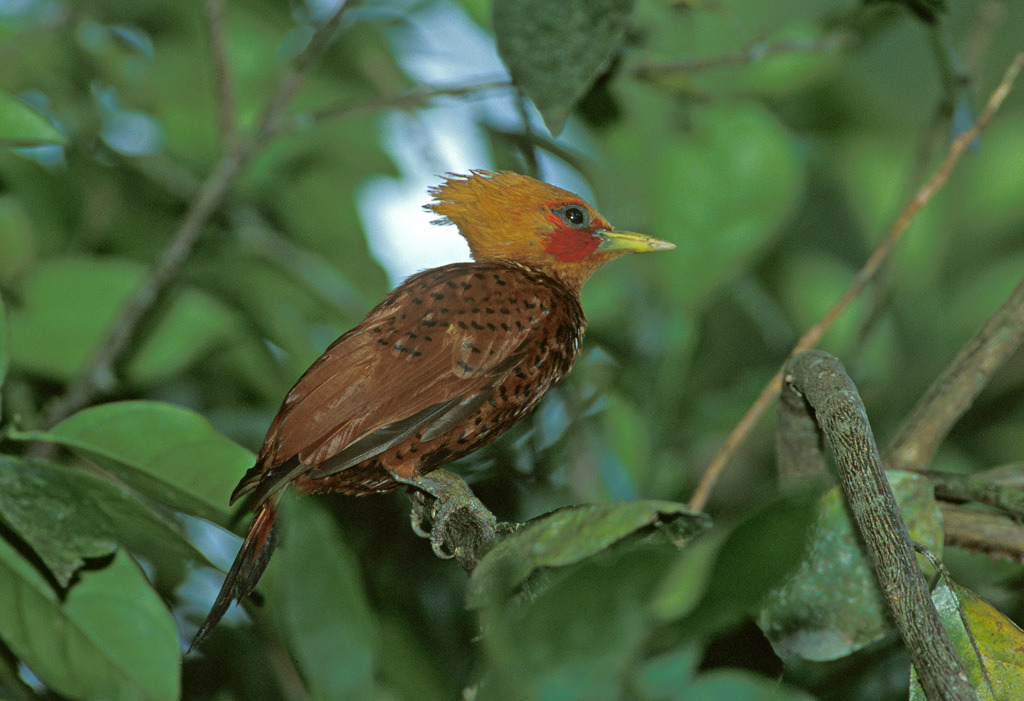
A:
(407, 368)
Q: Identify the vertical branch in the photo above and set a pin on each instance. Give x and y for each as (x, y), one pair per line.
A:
(819, 381)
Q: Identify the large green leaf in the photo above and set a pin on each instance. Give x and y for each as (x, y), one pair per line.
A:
(573, 534)
(724, 188)
(168, 453)
(555, 51)
(317, 591)
(112, 638)
(70, 303)
(990, 645)
(832, 605)
(20, 125)
(579, 636)
(68, 516)
(739, 566)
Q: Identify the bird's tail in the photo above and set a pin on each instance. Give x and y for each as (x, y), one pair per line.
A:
(249, 564)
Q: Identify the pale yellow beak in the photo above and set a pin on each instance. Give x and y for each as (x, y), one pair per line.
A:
(631, 242)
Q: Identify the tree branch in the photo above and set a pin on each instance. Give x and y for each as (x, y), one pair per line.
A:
(814, 334)
(753, 53)
(979, 530)
(99, 375)
(225, 92)
(956, 388)
(817, 385)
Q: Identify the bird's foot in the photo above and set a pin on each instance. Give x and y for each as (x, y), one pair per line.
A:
(447, 512)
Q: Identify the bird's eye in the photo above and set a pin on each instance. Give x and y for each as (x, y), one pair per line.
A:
(575, 216)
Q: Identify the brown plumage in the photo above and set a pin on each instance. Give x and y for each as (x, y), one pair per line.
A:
(449, 360)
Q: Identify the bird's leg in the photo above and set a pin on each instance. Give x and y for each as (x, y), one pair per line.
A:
(446, 511)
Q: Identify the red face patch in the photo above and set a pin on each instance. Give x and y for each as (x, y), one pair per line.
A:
(571, 245)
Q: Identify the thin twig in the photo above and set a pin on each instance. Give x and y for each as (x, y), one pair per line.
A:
(225, 92)
(99, 376)
(864, 276)
(820, 388)
(952, 392)
(754, 53)
(406, 100)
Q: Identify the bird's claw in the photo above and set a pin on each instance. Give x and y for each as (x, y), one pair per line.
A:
(456, 522)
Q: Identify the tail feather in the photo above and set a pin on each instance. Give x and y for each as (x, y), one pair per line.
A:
(247, 568)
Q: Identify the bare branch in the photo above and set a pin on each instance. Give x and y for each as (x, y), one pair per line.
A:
(863, 277)
(402, 101)
(221, 74)
(754, 53)
(99, 376)
(956, 388)
(992, 533)
(819, 387)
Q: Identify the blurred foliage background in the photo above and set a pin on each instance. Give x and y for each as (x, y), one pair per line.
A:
(773, 143)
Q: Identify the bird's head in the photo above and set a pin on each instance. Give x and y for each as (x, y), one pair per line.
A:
(511, 217)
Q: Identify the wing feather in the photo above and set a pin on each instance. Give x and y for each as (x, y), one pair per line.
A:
(407, 368)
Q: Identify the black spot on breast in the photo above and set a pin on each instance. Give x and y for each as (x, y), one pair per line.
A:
(437, 295)
(450, 284)
(465, 366)
(417, 300)
(478, 327)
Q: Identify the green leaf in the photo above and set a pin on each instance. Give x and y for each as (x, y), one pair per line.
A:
(70, 304)
(68, 515)
(316, 590)
(170, 454)
(573, 534)
(17, 238)
(112, 638)
(20, 125)
(725, 187)
(832, 605)
(990, 645)
(730, 684)
(753, 558)
(580, 636)
(555, 51)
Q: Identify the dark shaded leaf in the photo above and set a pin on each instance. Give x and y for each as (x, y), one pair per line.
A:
(68, 516)
(752, 559)
(555, 51)
(317, 592)
(731, 684)
(112, 638)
